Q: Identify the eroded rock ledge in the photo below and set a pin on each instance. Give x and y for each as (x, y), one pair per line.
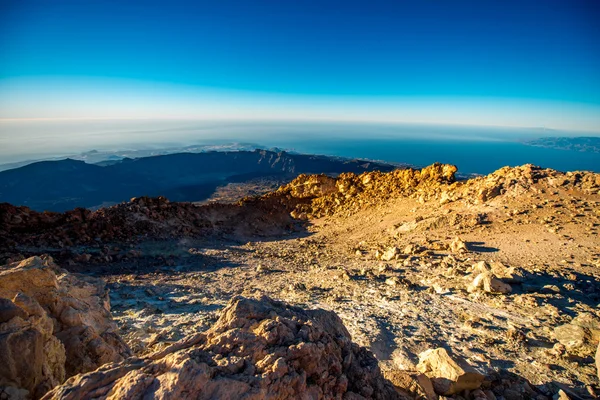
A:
(258, 349)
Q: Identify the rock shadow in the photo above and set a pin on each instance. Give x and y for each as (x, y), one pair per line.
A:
(561, 290)
(160, 299)
(480, 248)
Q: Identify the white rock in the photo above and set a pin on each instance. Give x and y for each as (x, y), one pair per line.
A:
(389, 254)
(488, 282)
(458, 246)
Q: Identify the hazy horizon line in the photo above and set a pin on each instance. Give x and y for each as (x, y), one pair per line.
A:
(297, 120)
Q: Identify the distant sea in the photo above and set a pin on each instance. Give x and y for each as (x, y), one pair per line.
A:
(471, 157)
(478, 150)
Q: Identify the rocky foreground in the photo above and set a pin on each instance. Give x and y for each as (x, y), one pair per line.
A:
(53, 324)
(479, 289)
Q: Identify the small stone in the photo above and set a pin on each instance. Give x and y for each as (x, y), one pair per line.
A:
(389, 254)
(561, 395)
(458, 246)
(345, 275)
(515, 335)
(384, 268)
(298, 286)
(559, 349)
(262, 268)
(85, 257)
(410, 249)
(550, 289)
(488, 282)
(393, 281)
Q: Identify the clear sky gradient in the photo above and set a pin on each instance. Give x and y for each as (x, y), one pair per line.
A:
(513, 63)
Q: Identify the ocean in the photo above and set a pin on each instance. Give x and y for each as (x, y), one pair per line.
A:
(471, 157)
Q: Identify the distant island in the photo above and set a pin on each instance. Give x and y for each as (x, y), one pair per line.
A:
(106, 157)
(585, 144)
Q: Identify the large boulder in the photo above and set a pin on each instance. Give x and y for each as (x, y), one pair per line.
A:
(580, 335)
(258, 349)
(412, 384)
(598, 361)
(449, 376)
(53, 325)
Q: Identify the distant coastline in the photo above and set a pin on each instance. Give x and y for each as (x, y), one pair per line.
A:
(588, 144)
(473, 149)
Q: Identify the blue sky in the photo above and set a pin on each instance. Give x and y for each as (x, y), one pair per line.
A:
(516, 63)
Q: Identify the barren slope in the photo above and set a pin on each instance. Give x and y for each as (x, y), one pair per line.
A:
(517, 293)
(547, 230)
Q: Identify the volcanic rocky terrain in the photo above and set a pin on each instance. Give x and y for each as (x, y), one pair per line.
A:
(384, 285)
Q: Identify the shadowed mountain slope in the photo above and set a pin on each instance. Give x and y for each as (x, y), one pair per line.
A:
(66, 184)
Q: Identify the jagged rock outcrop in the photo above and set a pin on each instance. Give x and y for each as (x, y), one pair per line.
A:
(354, 192)
(311, 186)
(433, 183)
(139, 219)
(53, 324)
(65, 184)
(33, 359)
(258, 349)
(514, 181)
(124, 222)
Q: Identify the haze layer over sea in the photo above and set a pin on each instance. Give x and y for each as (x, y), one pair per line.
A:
(473, 149)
